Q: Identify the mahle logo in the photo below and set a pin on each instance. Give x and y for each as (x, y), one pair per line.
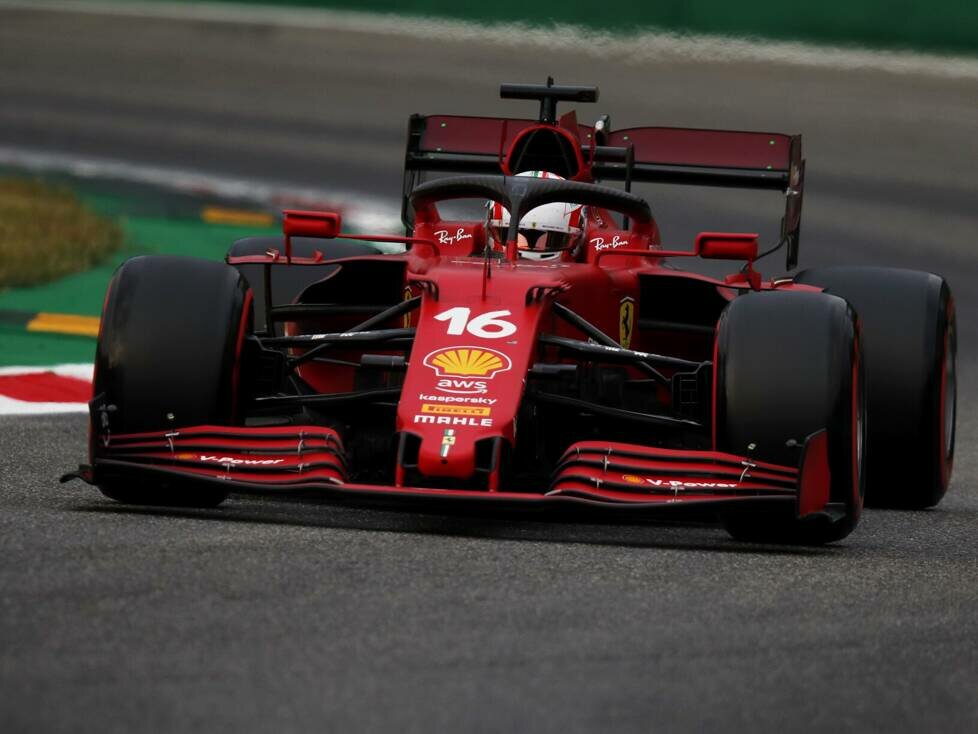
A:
(468, 362)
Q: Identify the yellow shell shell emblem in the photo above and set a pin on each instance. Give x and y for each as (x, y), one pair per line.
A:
(467, 362)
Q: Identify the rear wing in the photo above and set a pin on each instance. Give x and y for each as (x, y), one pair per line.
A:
(750, 160)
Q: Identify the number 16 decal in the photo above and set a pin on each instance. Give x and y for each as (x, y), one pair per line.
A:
(487, 325)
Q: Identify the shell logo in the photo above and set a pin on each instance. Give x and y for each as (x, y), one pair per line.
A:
(631, 478)
(467, 362)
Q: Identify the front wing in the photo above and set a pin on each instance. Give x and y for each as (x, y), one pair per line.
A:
(309, 462)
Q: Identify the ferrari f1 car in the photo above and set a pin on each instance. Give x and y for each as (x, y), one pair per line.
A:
(603, 380)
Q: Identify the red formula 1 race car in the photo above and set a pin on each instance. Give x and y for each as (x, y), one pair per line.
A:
(544, 355)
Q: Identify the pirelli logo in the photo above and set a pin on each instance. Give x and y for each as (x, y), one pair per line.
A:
(454, 410)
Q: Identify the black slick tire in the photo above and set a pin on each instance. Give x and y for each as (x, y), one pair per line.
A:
(909, 346)
(788, 365)
(167, 356)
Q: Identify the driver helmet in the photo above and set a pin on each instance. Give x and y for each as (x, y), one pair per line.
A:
(546, 231)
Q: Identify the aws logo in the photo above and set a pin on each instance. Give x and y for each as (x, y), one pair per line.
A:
(466, 369)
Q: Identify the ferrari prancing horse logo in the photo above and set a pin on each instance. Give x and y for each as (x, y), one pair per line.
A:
(626, 321)
(406, 318)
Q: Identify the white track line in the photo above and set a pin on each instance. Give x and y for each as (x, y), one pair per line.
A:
(12, 406)
(9, 406)
(80, 371)
(632, 48)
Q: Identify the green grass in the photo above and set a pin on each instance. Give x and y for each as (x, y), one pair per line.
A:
(82, 293)
(47, 232)
(943, 26)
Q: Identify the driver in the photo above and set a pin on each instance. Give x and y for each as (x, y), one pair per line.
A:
(546, 232)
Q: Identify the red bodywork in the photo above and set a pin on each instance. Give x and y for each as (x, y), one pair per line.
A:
(458, 410)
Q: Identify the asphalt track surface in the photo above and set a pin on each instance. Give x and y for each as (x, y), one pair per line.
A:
(262, 615)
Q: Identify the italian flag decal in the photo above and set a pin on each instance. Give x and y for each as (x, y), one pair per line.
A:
(64, 388)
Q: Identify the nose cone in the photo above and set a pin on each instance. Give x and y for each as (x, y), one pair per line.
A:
(467, 370)
(456, 397)
(453, 455)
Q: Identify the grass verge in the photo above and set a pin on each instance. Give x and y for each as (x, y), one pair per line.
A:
(46, 232)
(82, 293)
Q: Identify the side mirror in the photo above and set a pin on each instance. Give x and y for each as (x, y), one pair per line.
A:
(726, 246)
(297, 223)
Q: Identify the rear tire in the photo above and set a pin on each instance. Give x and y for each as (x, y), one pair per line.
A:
(909, 345)
(167, 357)
(788, 366)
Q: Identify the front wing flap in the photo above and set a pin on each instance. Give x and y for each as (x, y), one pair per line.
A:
(310, 461)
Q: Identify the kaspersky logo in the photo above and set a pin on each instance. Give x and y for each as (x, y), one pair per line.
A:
(466, 369)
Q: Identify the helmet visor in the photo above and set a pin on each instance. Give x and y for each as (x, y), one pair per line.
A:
(538, 240)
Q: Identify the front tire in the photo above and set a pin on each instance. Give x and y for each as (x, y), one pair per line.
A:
(167, 357)
(787, 366)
